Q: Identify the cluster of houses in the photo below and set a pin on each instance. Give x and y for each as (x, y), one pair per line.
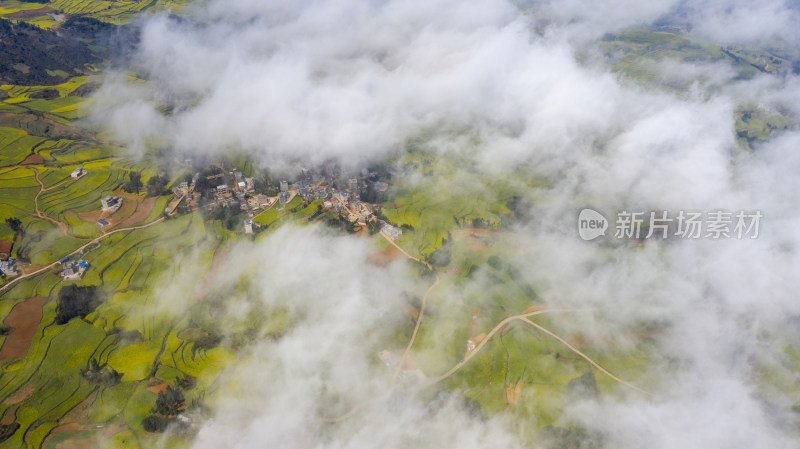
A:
(8, 266)
(341, 194)
(73, 270)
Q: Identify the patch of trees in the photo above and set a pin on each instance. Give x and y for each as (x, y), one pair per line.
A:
(169, 404)
(134, 184)
(205, 343)
(552, 437)
(6, 430)
(101, 374)
(373, 226)
(16, 225)
(229, 215)
(583, 387)
(340, 223)
(74, 301)
(186, 382)
(440, 257)
(45, 94)
(157, 185)
(28, 52)
(6, 330)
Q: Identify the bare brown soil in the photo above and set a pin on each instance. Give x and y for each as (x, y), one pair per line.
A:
(10, 415)
(24, 392)
(158, 388)
(143, 208)
(470, 235)
(31, 13)
(32, 159)
(89, 217)
(24, 318)
(514, 393)
(382, 258)
(80, 413)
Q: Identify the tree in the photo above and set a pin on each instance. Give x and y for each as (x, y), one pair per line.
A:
(74, 301)
(170, 402)
(134, 184)
(6, 430)
(156, 185)
(15, 224)
(155, 423)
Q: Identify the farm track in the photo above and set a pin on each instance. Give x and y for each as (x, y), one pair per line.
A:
(523, 317)
(62, 226)
(91, 242)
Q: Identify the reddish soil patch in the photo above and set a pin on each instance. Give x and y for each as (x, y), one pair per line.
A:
(142, 210)
(475, 243)
(382, 258)
(155, 389)
(471, 236)
(33, 159)
(80, 443)
(24, 318)
(31, 13)
(89, 217)
(576, 340)
(514, 393)
(25, 269)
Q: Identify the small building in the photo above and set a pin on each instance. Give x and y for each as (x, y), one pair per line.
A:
(110, 203)
(321, 193)
(184, 185)
(8, 267)
(242, 185)
(250, 184)
(78, 172)
(391, 231)
(5, 249)
(102, 223)
(248, 227)
(304, 192)
(74, 271)
(327, 204)
(284, 186)
(284, 197)
(352, 184)
(238, 176)
(222, 189)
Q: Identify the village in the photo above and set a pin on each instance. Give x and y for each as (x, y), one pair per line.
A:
(353, 199)
(343, 196)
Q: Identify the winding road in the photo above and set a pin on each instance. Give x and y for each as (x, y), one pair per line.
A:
(91, 242)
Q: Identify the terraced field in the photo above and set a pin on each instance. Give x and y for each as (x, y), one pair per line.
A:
(44, 16)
